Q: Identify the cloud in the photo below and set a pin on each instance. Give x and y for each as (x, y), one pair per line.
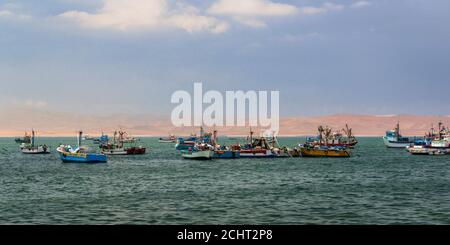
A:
(35, 104)
(251, 8)
(296, 38)
(326, 7)
(127, 15)
(360, 4)
(251, 12)
(7, 102)
(9, 14)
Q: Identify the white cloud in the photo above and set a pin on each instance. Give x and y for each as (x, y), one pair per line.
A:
(251, 8)
(127, 15)
(251, 12)
(35, 104)
(360, 4)
(326, 7)
(5, 13)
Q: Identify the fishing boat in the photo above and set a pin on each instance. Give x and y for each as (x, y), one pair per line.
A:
(117, 146)
(433, 143)
(191, 141)
(87, 137)
(171, 139)
(32, 148)
(323, 151)
(222, 151)
(200, 151)
(80, 154)
(327, 138)
(102, 140)
(25, 140)
(393, 138)
(260, 147)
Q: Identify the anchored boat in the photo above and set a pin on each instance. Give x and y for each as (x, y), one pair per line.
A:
(222, 151)
(432, 144)
(117, 147)
(337, 139)
(171, 139)
(25, 140)
(80, 154)
(260, 148)
(200, 151)
(323, 151)
(31, 148)
(393, 138)
(184, 144)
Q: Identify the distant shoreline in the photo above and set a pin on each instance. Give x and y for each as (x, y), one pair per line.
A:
(159, 136)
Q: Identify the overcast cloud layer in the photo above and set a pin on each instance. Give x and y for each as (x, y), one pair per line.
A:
(325, 57)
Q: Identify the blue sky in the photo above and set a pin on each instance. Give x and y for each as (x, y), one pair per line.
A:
(325, 57)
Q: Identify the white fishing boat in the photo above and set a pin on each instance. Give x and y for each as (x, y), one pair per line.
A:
(171, 139)
(393, 139)
(197, 154)
(31, 148)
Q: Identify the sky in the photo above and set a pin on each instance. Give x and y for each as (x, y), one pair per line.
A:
(325, 57)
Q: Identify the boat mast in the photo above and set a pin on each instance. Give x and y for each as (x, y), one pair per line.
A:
(80, 135)
(214, 142)
(32, 138)
(397, 130)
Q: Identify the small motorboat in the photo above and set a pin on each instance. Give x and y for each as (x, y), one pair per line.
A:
(31, 148)
(171, 139)
(80, 154)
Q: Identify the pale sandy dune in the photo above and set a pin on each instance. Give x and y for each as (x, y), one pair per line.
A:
(15, 122)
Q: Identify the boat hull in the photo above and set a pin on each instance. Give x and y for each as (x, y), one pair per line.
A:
(125, 151)
(256, 153)
(226, 154)
(167, 141)
(68, 157)
(198, 155)
(394, 144)
(184, 146)
(428, 151)
(307, 152)
(35, 150)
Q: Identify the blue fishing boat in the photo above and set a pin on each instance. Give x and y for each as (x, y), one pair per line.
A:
(190, 142)
(221, 151)
(226, 154)
(185, 144)
(80, 154)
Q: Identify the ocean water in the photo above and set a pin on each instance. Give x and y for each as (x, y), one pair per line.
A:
(376, 186)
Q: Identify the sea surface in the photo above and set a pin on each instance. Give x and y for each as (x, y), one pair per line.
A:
(375, 186)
